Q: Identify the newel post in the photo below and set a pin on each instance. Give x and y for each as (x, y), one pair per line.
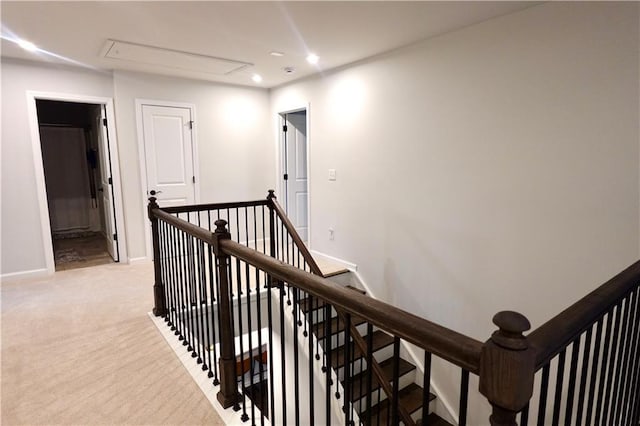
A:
(507, 367)
(158, 287)
(228, 394)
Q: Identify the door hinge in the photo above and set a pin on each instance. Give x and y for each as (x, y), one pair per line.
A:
(193, 179)
(115, 237)
(110, 181)
(104, 121)
(285, 128)
(191, 124)
(286, 176)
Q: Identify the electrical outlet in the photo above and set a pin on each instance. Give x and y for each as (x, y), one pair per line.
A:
(331, 234)
(332, 174)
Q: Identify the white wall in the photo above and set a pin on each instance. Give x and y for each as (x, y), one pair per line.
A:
(236, 155)
(492, 168)
(21, 240)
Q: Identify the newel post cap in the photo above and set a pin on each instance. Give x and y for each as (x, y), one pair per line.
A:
(152, 206)
(511, 326)
(221, 226)
(271, 194)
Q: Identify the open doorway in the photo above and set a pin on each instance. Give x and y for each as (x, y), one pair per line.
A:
(294, 185)
(74, 143)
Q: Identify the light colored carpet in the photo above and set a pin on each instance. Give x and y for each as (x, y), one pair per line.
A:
(79, 348)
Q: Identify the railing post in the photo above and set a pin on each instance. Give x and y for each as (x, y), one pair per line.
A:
(228, 394)
(272, 224)
(507, 367)
(158, 288)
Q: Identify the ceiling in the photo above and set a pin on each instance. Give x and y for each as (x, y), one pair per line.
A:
(338, 32)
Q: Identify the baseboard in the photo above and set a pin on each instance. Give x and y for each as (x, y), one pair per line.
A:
(134, 260)
(22, 275)
(348, 265)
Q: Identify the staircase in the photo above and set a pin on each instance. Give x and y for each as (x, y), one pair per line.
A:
(410, 394)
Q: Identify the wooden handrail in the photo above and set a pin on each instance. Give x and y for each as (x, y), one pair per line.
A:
(554, 335)
(214, 206)
(445, 343)
(315, 269)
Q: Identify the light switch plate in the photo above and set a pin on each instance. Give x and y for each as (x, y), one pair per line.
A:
(332, 174)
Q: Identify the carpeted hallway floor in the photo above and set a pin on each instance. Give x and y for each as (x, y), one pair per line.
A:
(79, 348)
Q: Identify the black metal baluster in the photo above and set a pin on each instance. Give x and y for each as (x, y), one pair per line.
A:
(327, 367)
(426, 388)
(544, 388)
(193, 294)
(244, 417)
(583, 375)
(464, 397)
(296, 367)
(283, 360)
(311, 375)
(369, 387)
(603, 366)
(594, 371)
(272, 412)
(612, 356)
(163, 267)
(634, 394)
(206, 343)
(212, 275)
(631, 357)
(573, 366)
(557, 401)
(622, 355)
(183, 288)
(347, 369)
(250, 332)
(199, 305)
(396, 381)
(176, 285)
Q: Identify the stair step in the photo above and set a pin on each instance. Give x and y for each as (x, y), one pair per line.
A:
(359, 290)
(337, 326)
(380, 340)
(359, 381)
(409, 397)
(434, 420)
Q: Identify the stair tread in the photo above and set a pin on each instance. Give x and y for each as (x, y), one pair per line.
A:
(359, 381)
(336, 325)
(380, 341)
(434, 420)
(410, 398)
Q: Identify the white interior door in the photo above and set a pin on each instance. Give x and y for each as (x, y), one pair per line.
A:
(106, 185)
(295, 171)
(168, 147)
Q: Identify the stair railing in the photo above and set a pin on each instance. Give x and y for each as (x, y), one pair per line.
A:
(354, 334)
(194, 269)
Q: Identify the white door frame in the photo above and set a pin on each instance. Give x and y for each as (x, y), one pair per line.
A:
(143, 162)
(279, 161)
(41, 188)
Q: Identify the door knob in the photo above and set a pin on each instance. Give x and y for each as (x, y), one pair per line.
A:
(154, 192)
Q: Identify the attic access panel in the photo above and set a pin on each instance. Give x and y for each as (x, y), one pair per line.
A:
(167, 58)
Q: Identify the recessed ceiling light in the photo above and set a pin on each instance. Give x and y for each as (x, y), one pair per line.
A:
(257, 78)
(275, 53)
(27, 45)
(312, 58)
